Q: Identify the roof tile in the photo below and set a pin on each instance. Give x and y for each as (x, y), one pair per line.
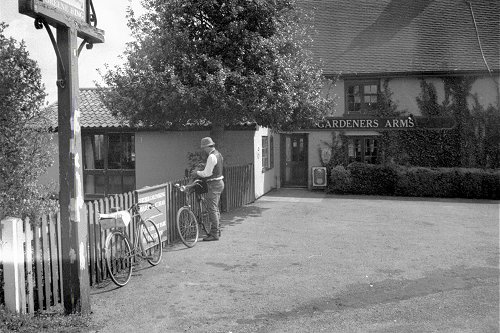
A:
(93, 112)
(398, 36)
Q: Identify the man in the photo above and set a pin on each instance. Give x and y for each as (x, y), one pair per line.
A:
(215, 184)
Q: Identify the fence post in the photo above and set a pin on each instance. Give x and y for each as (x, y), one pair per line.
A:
(13, 263)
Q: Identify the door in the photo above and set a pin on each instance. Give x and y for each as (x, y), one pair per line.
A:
(294, 160)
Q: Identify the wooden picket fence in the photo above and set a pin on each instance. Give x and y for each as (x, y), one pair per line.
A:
(39, 242)
(31, 258)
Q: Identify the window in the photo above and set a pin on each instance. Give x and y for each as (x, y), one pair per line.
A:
(364, 149)
(271, 152)
(267, 153)
(108, 163)
(361, 97)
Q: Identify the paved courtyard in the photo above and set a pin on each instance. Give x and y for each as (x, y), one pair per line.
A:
(301, 261)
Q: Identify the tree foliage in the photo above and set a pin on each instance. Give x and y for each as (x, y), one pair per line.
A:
(24, 141)
(220, 62)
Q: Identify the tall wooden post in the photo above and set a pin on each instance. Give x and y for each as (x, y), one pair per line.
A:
(72, 19)
(74, 234)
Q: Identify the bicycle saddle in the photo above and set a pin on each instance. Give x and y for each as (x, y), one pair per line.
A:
(122, 215)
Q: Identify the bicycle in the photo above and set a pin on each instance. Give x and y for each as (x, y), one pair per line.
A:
(119, 255)
(188, 223)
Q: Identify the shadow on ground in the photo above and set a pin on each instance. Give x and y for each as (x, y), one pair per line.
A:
(240, 214)
(388, 291)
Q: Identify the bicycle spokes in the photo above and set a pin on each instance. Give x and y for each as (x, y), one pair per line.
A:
(151, 242)
(148, 237)
(118, 258)
(188, 228)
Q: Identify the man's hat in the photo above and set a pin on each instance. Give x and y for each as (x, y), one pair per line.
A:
(207, 142)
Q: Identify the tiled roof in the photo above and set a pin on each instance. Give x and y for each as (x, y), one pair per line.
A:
(93, 112)
(405, 36)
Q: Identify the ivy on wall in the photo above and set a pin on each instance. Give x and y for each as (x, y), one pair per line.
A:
(473, 142)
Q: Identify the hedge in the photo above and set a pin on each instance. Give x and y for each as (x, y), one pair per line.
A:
(390, 179)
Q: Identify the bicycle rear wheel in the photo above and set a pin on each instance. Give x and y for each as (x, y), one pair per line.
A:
(118, 258)
(151, 242)
(187, 226)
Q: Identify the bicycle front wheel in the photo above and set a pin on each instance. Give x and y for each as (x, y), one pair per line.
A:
(187, 226)
(118, 258)
(151, 242)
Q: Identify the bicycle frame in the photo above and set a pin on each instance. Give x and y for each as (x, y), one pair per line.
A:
(121, 254)
(197, 211)
(137, 248)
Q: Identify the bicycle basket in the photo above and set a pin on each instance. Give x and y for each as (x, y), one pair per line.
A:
(119, 219)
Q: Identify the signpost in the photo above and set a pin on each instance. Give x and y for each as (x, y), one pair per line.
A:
(72, 19)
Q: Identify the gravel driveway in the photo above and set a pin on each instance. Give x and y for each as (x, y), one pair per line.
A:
(302, 261)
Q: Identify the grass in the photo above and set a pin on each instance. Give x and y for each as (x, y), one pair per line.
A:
(50, 321)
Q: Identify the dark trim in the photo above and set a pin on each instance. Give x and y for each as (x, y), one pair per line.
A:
(359, 82)
(124, 129)
(368, 76)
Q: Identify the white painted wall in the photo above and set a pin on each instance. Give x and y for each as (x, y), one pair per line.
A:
(406, 90)
(162, 156)
(316, 141)
(265, 180)
(487, 90)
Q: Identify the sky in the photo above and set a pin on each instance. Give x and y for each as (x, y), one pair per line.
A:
(110, 18)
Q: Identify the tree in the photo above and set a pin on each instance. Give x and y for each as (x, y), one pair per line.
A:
(24, 139)
(218, 62)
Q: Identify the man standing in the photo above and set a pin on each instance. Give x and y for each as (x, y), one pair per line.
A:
(212, 174)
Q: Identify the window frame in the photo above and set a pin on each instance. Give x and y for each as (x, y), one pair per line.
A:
(364, 158)
(106, 172)
(267, 152)
(363, 105)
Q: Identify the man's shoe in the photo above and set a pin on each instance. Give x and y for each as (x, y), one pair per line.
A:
(210, 238)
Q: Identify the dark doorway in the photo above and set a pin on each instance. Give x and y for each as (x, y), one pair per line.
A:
(294, 160)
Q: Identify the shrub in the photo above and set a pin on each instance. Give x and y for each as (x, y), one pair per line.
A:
(388, 179)
(373, 178)
(425, 182)
(340, 180)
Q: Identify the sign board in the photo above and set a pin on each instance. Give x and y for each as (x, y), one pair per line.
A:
(374, 124)
(70, 13)
(158, 214)
(75, 8)
(319, 177)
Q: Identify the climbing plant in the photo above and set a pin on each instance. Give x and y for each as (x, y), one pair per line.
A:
(473, 142)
